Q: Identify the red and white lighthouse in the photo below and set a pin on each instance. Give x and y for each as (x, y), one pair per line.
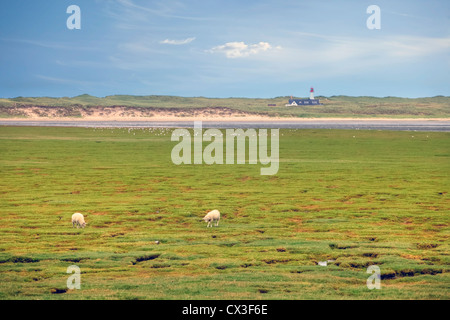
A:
(311, 94)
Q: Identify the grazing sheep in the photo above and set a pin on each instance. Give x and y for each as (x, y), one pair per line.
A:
(211, 217)
(78, 220)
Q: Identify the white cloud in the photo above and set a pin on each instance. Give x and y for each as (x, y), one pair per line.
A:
(316, 55)
(178, 42)
(240, 49)
(405, 47)
(384, 47)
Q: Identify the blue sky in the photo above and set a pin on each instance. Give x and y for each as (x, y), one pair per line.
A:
(231, 48)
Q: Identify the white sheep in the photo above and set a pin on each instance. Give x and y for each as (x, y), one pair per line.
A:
(211, 217)
(78, 220)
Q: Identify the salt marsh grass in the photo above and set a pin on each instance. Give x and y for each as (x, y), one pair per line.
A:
(355, 198)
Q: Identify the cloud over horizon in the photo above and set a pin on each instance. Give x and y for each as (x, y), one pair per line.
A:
(178, 42)
(240, 49)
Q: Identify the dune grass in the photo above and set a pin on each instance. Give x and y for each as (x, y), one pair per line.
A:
(335, 106)
(355, 198)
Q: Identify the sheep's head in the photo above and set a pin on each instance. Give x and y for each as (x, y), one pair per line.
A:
(83, 224)
(207, 219)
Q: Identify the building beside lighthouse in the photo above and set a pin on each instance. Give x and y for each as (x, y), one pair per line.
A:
(303, 102)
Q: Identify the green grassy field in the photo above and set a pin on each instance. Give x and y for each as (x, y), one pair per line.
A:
(359, 198)
(335, 106)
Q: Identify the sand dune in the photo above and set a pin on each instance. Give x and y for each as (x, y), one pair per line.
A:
(119, 113)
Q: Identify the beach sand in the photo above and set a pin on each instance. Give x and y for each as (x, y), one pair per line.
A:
(118, 113)
(251, 118)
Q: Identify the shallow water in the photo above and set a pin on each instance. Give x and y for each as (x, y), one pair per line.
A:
(401, 125)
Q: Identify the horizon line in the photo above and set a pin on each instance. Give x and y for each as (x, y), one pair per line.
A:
(205, 97)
